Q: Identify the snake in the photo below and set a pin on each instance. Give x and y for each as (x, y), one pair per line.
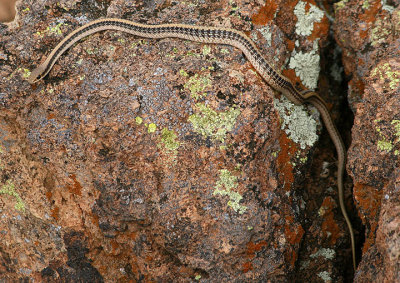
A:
(215, 35)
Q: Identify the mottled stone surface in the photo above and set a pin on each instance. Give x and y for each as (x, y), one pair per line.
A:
(167, 160)
(369, 33)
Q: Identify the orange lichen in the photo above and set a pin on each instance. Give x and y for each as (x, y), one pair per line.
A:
(252, 248)
(369, 16)
(55, 213)
(293, 232)
(285, 167)
(357, 84)
(321, 29)
(76, 187)
(291, 74)
(291, 256)
(247, 266)
(51, 116)
(329, 225)
(266, 13)
(369, 203)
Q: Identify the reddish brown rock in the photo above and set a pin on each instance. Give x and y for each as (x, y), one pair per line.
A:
(369, 33)
(166, 160)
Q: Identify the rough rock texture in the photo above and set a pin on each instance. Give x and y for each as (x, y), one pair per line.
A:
(369, 33)
(167, 160)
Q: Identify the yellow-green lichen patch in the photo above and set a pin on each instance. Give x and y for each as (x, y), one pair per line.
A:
(56, 29)
(224, 187)
(197, 277)
(387, 75)
(384, 145)
(380, 32)
(138, 120)
(151, 128)
(366, 4)
(197, 85)
(396, 124)
(340, 4)
(169, 140)
(9, 189)
(297, 124)
(307, 17)
(206, 50)
(212, 124)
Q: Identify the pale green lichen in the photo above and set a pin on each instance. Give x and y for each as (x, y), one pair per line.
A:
(212, 124)
(169, 140)
(325, 275)
(326, 253)
(9, 189)
(297, 124)
(387, 76)
(224, 187)
(197, 277)
(306, 19)
(197, 85)
(306, 66)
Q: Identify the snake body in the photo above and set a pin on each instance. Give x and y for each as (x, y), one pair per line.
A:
(215, 35)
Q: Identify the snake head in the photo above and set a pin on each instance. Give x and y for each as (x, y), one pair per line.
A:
(36, 75)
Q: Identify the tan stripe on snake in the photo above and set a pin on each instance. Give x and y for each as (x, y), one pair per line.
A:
(218, 36)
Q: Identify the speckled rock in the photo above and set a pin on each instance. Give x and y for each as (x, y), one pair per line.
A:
(168, 160)
(369, 33)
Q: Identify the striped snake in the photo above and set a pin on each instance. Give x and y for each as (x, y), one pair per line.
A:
(218, 36)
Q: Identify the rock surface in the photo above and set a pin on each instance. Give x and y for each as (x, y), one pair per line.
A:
(169, 160)
(369, 33)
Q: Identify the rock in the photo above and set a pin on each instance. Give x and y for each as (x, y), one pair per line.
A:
(369, 32)
(167, 160)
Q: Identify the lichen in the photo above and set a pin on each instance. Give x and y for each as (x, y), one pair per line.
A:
(169, 140)
(229, 182)
(306, 19)
(139, 120)
(325, 275)
(380, 32)
(206, 50)
(326, 253)
(306, 66)
(9, 189)
(387, 76)
(151, 128)
(212, 124)
(384, 145)
(197, 85)
(340, 5)
(366, 4)
(297, 124)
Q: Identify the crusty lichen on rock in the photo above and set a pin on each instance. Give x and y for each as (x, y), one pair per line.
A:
(224, 187)
(210, 123)
(297, 124)
(307, 18)
(306, 66)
